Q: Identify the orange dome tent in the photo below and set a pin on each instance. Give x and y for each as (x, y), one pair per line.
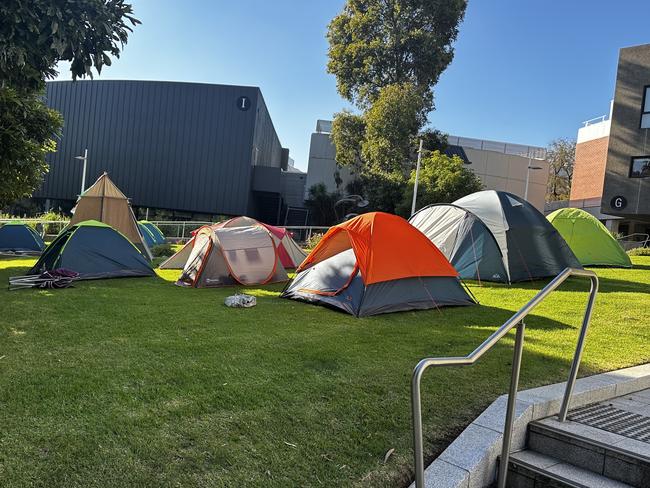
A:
(377, 263)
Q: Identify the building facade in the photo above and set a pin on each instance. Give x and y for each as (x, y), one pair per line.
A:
(612, 169)
(500, 166)
(193, 150)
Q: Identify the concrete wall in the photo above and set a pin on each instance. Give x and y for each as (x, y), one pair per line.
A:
(507, 172)
(322, 165)
(626, 138)
(497, 170)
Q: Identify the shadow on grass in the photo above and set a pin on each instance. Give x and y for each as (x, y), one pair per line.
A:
(644, 267)
(606, 285)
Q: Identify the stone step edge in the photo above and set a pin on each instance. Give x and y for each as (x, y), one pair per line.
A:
(537, 426)
(470, 460)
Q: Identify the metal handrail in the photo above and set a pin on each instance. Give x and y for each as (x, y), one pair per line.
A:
(517, 320)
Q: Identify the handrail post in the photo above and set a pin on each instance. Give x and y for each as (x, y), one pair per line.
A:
(577, 357)
(512, 401)
(517, 320)
(416, 406)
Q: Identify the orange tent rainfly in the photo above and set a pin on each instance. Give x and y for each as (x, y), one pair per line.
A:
(377, 263)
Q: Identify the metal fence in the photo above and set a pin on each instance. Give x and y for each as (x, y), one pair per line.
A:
(174, 231)
(633, 241)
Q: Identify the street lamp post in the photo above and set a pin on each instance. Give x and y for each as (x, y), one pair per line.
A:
(84, 158)
(417, 177)
(528, 176)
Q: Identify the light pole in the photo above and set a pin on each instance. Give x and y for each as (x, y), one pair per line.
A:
(528, 177)
(417, 177)
(84, 158)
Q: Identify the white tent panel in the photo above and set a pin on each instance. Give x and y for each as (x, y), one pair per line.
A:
(249, 251)
(487, 207)
(440, 224)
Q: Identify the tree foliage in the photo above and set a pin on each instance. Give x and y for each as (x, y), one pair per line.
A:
(376, 43)
(443, 179)
(387, 55)
(34, 37)
(321, 203)
(27, 127)
(561, 155)
(391, 122)
(38, 34)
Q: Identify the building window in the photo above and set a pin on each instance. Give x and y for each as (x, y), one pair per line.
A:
(645, 114)
(640, 167)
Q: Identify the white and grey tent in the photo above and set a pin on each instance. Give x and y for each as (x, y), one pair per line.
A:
(495, 236)
(224, 256)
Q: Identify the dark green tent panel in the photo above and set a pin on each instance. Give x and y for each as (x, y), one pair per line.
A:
(94, 250)
(16, 237)
(589, 239)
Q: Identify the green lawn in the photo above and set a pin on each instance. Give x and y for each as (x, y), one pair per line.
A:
(137, 382)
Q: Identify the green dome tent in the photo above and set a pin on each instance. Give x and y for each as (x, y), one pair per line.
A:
(589, 240)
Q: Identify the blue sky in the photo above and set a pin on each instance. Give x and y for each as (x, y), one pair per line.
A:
(524, 71)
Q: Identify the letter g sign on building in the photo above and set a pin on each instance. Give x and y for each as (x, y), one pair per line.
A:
(618, 202)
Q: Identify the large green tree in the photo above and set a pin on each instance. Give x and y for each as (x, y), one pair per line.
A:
(387, 56)
(375, 43)
(35, 36)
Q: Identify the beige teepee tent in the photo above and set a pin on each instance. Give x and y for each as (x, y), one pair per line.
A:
(104, 202)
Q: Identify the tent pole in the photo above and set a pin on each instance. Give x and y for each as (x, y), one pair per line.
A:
(417, 176)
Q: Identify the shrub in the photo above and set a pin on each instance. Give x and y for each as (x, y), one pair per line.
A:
(52, 217)
(313, 240)
(639, 251)
(162, 250)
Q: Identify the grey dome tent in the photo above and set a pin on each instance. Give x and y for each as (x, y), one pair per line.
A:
(94, 250)
(496, 236)
(18, 238)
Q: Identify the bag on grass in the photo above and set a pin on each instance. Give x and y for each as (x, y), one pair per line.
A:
(240, 300)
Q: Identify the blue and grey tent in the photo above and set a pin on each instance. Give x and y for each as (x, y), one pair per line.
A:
(18, 238)
(147, 236)
(94, 250)
(496, 236)
(158, 236)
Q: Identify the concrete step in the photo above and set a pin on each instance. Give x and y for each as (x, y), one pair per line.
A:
(529, 469)
(605, 453)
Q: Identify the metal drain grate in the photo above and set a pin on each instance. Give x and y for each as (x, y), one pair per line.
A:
(615, 420)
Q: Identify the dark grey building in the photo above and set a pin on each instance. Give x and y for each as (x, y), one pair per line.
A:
(611, 176)
(192, 149)
(626, 190)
